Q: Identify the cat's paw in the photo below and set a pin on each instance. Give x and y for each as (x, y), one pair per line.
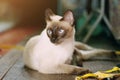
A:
(80, 71)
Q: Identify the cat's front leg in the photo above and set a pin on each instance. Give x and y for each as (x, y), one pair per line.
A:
(71, 69)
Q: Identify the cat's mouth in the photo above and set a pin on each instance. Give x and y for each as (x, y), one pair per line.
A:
(55, 41)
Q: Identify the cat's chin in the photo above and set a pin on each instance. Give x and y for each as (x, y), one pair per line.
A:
(57, 43)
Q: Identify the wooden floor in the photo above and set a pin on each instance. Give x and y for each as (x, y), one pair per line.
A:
(12, 68)
(14, 36)
(12, 65)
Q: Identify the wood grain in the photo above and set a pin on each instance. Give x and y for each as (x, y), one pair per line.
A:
(20, 72)
(8, 60)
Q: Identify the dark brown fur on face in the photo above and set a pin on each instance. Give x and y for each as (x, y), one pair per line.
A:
(59, 30)
(48, 13)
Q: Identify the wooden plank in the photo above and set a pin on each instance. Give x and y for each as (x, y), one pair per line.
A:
(19, 72)
(7, 61)
(98, 65)
(12, 68)
(16, 70)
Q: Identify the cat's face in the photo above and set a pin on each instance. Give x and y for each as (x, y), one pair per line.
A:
(59, 28)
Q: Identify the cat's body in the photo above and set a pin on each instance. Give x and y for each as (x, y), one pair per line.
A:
(52, 51)
(49, 55)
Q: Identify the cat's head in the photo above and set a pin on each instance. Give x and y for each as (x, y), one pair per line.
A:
(59, 28)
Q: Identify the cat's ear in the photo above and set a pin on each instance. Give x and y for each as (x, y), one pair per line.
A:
(68, 17)
(48, 13)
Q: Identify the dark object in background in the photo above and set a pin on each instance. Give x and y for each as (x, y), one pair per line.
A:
(118, 65)
(115, 18)
(108, 24)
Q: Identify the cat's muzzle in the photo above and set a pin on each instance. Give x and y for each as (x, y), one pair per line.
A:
(53, 40)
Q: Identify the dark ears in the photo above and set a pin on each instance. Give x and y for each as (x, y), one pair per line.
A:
(68, 17)
(48, 13)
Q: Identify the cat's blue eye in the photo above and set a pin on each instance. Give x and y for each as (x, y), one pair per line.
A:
(61, 31)
(49, 31)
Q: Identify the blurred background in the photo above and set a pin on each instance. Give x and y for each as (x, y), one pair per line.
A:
(93, 17)
(26, 12)
(20, 19)
(96, 21)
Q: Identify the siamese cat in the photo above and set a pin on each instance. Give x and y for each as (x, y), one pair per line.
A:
(52, 51)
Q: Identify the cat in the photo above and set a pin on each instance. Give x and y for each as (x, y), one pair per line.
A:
(52, 51)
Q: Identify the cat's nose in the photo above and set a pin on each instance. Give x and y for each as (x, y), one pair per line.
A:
(53, 40)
